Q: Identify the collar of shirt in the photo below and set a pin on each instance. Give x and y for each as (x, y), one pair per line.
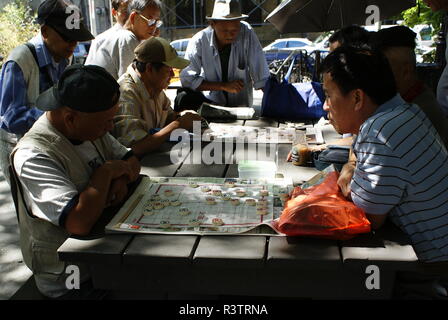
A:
(138, 81)
(44, 56)
(397, 100)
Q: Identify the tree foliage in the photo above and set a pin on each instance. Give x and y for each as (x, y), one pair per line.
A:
(422, 14)
(17, 26)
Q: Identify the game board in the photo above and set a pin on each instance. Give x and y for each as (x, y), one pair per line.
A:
(251, 134)
(201, 206)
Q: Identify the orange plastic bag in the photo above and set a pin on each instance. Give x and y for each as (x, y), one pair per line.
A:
(322, 211)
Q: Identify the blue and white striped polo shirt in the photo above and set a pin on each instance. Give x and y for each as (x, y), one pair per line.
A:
(402, 169)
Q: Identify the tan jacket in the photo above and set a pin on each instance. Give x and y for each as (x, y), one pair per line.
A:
(138, 112)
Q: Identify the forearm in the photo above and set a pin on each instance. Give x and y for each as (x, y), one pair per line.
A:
(211, 86)
(91, 203)
(154, 141)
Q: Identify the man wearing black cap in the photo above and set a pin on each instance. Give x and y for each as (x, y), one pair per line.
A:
(68, 168)
(34, 67)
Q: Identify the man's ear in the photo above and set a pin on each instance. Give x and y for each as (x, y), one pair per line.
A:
(44, 31)
(69, 117)
(132, 17)
(407, 72)
(358, 97)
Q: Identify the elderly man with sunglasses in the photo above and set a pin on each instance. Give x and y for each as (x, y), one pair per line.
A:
(33, 67)
(116, 52)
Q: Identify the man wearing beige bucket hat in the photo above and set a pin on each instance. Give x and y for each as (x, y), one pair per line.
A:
(145, 118)
(226, 59)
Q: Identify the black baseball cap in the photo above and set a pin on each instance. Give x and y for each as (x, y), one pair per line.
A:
(65, 18)
(85, 88)
(399, 36)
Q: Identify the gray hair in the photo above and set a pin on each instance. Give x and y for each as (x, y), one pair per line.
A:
(140, 5)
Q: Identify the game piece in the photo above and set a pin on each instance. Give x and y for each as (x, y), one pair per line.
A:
(251, 202)
(168, 193)
(158, 205)
(176, 203)
(210, 200)
(262, 211)
(164, 224)
(240, 192)
(194, 223)
(226, 197)
(205, 189)
(184, 211)
(148, 211)
(264, 193)
(217, 192)
(165, 202)
(235, 201)
(193, 184)
(155, 197)
(229, 184)
(217, 222)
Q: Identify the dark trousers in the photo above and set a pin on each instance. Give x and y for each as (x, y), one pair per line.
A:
(187, 99)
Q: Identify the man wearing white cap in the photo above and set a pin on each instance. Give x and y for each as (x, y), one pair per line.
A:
(226, 59)
(145, 118)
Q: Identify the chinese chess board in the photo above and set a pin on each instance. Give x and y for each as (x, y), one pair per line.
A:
(197, 207)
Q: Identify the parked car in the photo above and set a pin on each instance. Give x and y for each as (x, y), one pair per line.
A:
(282, 48)
(81, 52)
(180, 46)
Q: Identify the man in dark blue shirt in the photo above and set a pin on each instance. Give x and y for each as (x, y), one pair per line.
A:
(34, 67)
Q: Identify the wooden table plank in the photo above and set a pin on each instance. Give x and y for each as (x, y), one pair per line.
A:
(160, 249)
(299, 252)
(107, 249)
(387, 247)
(230, 251)
(298, 174)
(160, 163)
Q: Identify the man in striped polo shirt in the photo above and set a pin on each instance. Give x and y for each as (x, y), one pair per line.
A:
(402, 163)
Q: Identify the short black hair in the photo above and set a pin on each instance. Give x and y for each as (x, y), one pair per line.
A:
(399, 36)
(352, 68)
(354, 36)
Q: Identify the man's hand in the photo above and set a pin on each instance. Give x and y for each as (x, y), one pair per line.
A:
(345, 179)
(186, 121)
(233, 86)
(117, 191)
(117, 168)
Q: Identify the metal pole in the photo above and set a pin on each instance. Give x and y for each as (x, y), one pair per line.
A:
(194, 14)
(92, 16)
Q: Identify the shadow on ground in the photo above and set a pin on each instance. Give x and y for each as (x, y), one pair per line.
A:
(13, 272)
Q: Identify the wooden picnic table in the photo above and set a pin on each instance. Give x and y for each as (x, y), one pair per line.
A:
(160, 266)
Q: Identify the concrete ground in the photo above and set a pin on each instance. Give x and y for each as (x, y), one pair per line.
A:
(13, 272)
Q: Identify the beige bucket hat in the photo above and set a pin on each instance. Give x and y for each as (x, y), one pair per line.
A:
(227, 10)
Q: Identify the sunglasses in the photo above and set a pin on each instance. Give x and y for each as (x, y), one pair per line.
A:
(152, 22)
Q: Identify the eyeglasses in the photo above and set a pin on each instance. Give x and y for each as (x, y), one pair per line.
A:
(151, 22)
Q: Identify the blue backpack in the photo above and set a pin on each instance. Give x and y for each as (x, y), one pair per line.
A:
(292, 101)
